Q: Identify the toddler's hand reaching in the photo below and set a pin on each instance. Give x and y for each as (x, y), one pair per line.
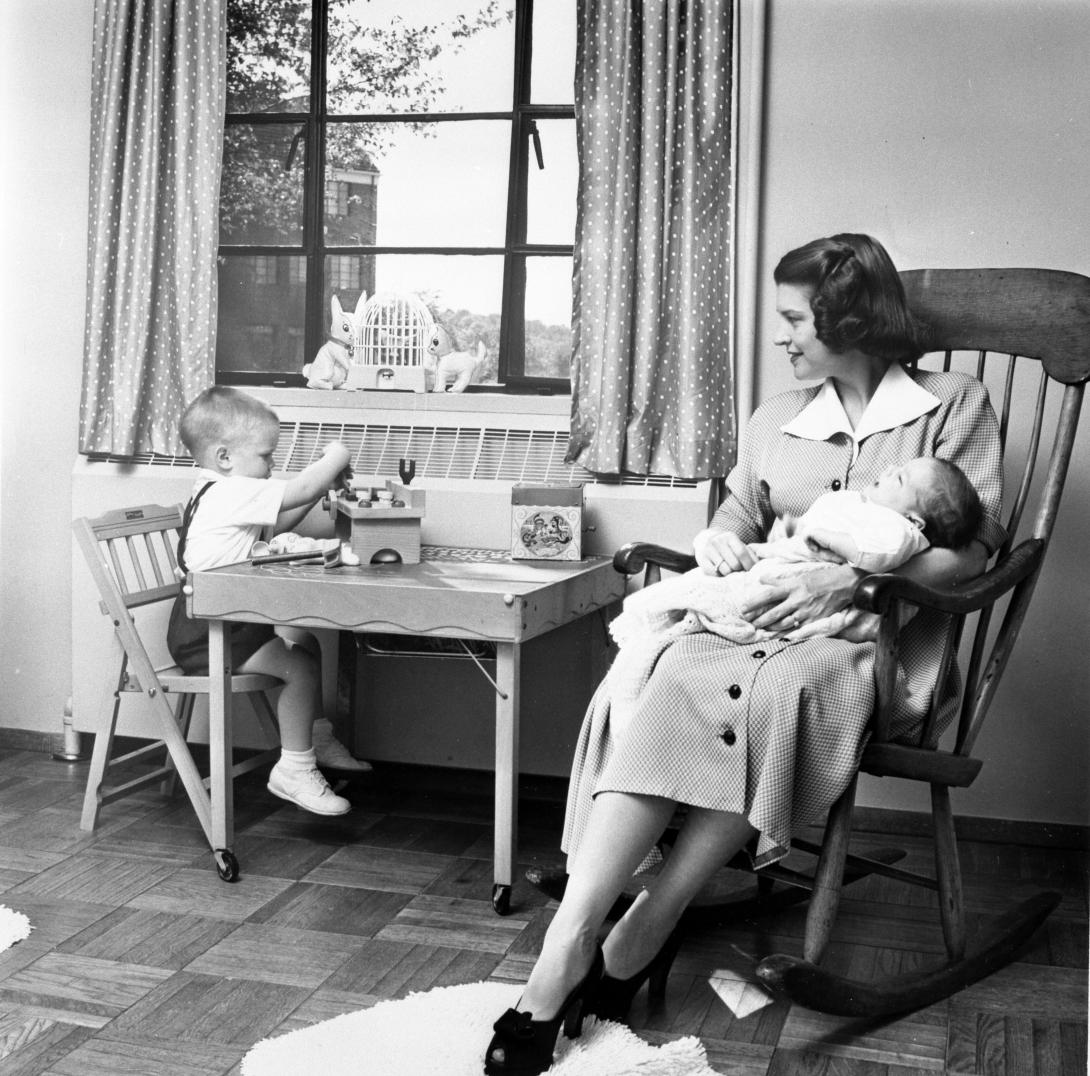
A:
(344, 476)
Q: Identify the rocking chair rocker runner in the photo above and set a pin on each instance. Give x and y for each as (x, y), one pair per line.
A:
(131, 556)
(1032, 326)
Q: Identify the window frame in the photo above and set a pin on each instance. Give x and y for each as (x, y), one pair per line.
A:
(516, 249)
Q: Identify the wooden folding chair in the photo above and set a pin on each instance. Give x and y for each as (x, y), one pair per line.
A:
(131, 554)
(1027, 333)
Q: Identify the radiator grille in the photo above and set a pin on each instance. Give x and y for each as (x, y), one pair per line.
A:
(459, 452)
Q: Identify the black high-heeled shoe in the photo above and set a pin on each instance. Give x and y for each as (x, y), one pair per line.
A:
(523, 1046)
(612, 998)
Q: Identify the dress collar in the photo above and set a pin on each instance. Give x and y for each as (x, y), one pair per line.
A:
(897, 401)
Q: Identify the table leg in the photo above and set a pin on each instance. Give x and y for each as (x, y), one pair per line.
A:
(508, 662)
(329, 642)
(220, 750)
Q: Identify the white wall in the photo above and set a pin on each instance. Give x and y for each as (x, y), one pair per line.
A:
(45, 98)
(957, 132)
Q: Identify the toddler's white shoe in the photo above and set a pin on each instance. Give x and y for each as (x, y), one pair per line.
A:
(307, 789)
(331, 753)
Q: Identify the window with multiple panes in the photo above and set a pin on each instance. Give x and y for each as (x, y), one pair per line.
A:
(401, 147)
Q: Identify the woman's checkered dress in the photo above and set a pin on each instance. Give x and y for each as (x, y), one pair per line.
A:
(773, 731)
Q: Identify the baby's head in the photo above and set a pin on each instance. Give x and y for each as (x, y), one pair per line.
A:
(231, 432)
(935, 495)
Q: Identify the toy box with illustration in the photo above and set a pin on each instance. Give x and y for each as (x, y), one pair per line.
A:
(547, 521)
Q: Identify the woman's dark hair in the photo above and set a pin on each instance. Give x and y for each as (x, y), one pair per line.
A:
(950, 506)
(857, 297)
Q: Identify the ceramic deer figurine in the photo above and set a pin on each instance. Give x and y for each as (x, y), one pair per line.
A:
(445, 366)
(329, 370)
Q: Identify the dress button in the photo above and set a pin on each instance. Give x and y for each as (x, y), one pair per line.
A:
(835, 484)
(758, 654)
(734, 691)
(729, 737)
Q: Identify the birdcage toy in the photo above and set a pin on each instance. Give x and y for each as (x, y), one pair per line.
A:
(394, 334)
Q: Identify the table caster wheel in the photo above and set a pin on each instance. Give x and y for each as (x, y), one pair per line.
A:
(501, 899)
(226, 864)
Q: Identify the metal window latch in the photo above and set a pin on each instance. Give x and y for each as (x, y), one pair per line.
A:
(299, 135)
(535, 134)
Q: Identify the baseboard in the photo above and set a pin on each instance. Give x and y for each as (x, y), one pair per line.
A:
(46, 743)
(876, 820)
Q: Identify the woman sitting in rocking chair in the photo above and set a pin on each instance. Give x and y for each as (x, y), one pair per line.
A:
(758, 740)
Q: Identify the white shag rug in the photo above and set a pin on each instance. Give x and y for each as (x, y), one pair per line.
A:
(14, 927)
(445, 1032)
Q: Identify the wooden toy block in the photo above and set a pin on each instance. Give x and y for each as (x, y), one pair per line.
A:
(377, 527)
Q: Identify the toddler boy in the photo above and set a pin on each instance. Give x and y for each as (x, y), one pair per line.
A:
(232, 437)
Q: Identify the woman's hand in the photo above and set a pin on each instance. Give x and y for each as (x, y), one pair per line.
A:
(805, 598)
(720, 552)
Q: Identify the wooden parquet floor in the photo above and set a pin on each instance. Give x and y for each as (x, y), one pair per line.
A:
(142, 961)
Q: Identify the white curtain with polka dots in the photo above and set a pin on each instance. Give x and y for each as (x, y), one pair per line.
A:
(157, 106)
(651, 377)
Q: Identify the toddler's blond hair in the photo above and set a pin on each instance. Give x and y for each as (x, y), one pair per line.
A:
(221, 415)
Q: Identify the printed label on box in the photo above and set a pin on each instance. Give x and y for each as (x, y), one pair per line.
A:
(546, 532)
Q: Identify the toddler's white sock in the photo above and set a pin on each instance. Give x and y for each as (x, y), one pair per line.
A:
(298, 760)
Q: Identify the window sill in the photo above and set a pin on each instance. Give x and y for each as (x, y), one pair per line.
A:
(500, 403)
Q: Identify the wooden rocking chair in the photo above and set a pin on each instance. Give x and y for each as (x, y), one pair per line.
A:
(1028, 330)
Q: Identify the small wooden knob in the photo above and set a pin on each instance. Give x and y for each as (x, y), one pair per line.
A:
(509, 599)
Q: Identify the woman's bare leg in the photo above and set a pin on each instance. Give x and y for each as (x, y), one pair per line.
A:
(707, 840)
(621, 830)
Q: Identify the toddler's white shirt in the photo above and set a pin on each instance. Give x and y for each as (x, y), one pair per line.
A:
(230, 518)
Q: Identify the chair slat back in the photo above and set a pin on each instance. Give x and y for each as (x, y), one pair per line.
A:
(130, 553)
(1033, 327)
(120, 549)
(1037, 312)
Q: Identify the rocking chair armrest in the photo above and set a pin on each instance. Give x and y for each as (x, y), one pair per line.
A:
(632, 558)
(876, 593)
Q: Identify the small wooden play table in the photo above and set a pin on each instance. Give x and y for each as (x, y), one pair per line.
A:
(453, 593)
